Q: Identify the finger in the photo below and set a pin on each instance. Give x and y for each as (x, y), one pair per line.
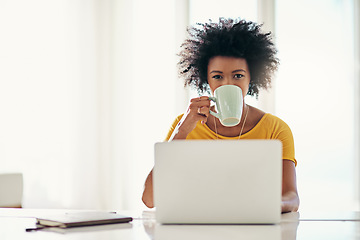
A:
(199, 104)
(202, 118)
(198, 99)
(204, 110)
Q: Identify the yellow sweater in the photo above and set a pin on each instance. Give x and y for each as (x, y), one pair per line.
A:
(269, 127)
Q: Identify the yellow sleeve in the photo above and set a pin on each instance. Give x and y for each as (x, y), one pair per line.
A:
(173, 126)
(284, 134)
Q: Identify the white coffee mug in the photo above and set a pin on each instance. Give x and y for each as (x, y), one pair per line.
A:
(229, 104)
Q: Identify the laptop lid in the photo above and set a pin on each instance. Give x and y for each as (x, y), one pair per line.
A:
(218, 182)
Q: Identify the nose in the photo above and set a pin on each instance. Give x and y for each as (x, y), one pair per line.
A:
(228, 81)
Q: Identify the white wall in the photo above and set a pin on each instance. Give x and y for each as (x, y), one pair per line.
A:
(144, 90)
(86, 89)
(48, 84)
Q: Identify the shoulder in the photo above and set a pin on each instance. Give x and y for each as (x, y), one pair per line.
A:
(177, 119)
(173, 126)
(275, 121)
(268, 122)
(279, 128)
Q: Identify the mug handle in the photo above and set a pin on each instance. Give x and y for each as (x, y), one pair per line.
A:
(211, 112)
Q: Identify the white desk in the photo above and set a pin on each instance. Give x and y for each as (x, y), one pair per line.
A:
(13, 223)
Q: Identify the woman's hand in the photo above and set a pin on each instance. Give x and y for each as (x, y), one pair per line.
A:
(198, 110)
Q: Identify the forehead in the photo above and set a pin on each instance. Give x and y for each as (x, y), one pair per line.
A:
(227, 63)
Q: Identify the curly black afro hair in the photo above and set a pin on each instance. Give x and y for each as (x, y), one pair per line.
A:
(230, 38)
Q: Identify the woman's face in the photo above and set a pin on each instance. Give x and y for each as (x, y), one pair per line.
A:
(228, 71)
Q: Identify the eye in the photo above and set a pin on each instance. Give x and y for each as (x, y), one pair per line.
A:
(217, 77)
(238, 76)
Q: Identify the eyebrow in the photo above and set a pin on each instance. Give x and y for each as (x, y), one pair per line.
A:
(237, 70)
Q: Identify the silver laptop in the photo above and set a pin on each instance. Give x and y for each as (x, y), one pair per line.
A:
(218, 182)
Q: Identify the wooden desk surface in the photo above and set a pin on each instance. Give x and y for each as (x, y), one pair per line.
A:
(13, 223)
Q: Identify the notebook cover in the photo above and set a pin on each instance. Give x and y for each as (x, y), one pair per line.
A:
(78, 219)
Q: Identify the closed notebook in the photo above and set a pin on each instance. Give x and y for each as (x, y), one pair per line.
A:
(79, 219)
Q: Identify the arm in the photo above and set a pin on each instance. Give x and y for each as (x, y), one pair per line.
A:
(148, 196)
(290, 198)
(198, 110)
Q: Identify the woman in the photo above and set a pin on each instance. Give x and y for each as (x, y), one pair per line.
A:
(231, 52)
